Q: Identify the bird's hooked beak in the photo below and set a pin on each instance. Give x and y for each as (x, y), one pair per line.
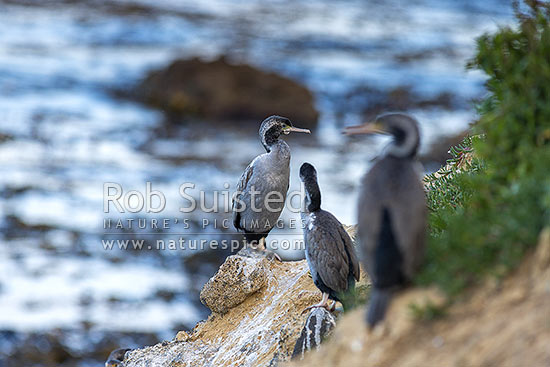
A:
(365, 128)
(288, 129)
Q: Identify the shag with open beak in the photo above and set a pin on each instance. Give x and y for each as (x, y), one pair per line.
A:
(391, 211)
(266, 177)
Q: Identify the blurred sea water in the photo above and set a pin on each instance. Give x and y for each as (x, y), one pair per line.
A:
(63, 133)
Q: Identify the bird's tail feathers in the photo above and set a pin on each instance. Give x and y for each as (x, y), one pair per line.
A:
(379, 301)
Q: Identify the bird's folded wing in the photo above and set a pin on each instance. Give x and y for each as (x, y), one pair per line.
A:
(329, 254)
(410, 226)
(241, 186)
(350, 250)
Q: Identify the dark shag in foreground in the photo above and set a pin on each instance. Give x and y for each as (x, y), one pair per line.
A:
(329, 249)
(391, 211)
(267, 175)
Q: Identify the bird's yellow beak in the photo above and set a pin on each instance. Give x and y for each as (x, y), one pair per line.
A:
(365, 128)
(290, 129)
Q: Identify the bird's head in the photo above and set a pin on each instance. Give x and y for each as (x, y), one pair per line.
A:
(307, 171)
(273, 127)
(308, 175)
(402, 127)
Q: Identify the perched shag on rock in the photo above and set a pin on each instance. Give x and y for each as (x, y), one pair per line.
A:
(391, 211)
(329, 250)
(266, 177)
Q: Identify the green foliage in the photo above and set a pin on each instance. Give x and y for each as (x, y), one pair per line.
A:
(488, 208)
(362, 294)
(354, 297)
(427, 312)
(448, 188)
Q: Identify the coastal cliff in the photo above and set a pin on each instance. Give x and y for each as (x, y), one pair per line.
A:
(502, 323)
(258, 320)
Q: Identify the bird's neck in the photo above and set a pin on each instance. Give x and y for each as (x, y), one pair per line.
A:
(405, 147)
(280, 149)
(312, 201)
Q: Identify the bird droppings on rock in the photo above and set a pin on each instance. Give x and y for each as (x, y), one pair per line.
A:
(237, 278)
(182, 336)
(261, 330)
(317, 328)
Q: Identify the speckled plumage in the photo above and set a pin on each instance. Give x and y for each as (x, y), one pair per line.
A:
(329, 249)
(267, 173)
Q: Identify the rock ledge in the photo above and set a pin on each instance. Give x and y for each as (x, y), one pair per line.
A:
(254, 323)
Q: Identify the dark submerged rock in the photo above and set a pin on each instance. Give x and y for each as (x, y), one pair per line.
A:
(370, 102)
(218, 90)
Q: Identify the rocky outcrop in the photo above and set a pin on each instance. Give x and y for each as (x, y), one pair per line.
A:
(237, 279)
(218, 90)
(317, 328)
(257, 317)
(258, 321)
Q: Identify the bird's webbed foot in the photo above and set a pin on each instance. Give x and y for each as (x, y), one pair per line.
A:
(272, 255)
(323, 303)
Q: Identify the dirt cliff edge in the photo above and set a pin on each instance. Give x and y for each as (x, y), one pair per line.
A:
(503, 323)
